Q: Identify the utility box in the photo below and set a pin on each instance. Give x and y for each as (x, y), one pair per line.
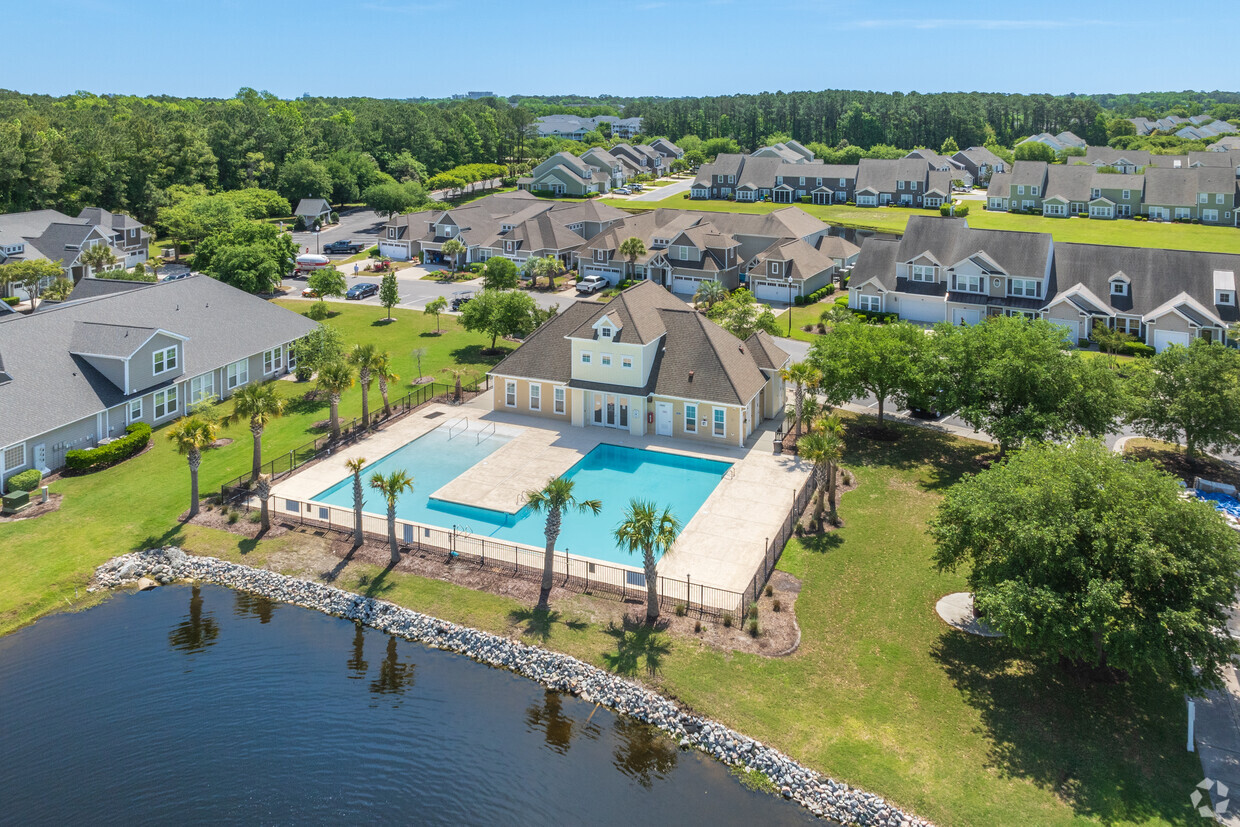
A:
(16, 502)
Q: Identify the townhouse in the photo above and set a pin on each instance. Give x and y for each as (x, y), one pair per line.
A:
(515, 225)
(961, 176)
(644, 363)
(1205, 194)
(81, 371)
(1198, 127)
(980, 162)
(1064, 140)
(907, 182)
(946, 271)
(49, 235)
(575, 128)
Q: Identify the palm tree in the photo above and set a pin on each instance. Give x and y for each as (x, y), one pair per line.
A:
(548, 266)
(260, 404)
(632, 247)
(710, 293)
(553, 499)
(453, 247)
(191, 434)
(335, 378)
(98, 258)
(355, 467)
(456, 373)
(391, 487)
(645, 529)
(436, 306)
(824, 446)
(803, 376)
(263, 489)
(363, 357)
(384, 373)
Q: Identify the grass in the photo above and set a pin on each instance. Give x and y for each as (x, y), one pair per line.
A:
(880, 694)
(362, 256)
(894, 219)
(1172, 459)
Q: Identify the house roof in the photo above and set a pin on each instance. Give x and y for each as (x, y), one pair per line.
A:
(836, 247)
(52, 387)
(635, 311)
(119, 341)
(91, 287)
(979, 155)
(768, 355)
(949, 242)
(312, 207)
(547, 353)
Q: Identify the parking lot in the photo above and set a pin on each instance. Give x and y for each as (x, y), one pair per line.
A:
(360, 225)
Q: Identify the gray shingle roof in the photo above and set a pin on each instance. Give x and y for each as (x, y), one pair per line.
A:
(112, 340)
(51, 387)
(89, 288)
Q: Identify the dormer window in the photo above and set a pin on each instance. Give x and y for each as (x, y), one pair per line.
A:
(605, 332)
(774, 268)
(1119, 287)
(600, 255)
(1224, 297)
(923, 272)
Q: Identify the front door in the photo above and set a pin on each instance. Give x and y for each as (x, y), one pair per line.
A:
(40, 457)
(663, 418)
(610, 408)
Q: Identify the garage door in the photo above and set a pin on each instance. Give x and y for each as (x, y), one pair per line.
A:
(922, 309)
(1164, 339)
(398, 252)
(961, 315)
(772, 291)
(683, 284)
(612, 276)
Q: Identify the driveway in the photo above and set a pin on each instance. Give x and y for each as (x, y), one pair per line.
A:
(360, 224)
(659, 193)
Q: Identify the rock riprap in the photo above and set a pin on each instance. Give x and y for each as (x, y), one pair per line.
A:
(822, 796)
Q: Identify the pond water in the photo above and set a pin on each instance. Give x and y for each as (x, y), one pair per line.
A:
(200, 705)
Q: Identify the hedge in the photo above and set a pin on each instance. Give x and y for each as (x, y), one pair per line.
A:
(137, 436)
(27, 480)
(12, 301)
(1140, 349)
(875, 316)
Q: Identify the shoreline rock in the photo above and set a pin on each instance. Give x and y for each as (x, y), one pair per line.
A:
(820, 795)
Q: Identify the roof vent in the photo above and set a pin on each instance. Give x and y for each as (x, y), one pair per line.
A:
(690, 376)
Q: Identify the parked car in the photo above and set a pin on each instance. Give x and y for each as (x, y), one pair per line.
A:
(591, 284)
(344, 245)
(362, 290)
(636, 187)
(309, 293)
(623, 191)
(460, 299)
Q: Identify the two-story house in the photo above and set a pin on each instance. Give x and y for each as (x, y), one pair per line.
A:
(80, 371)
(49, 235)
(646, 364)
(718, 178)
(1205, 194)
(906, 182)
(980, 162)
(566, 174)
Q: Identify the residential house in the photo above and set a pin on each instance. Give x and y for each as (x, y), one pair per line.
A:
(81, 371)
(946, 271)
(129, 238)
(907, 182)
(667, 149)
(1205, 194)
(647, 364)
(566, 174)
(575, 128)
(49, 235)
(647, 160)
(1122, 160)
(1059, 143)
(942, 163)
(313, 211)
(980, 162)
(718, 178)
(790, 152)
(1229, 143)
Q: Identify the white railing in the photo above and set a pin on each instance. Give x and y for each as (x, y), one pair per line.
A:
(488, 430)
(462, 422)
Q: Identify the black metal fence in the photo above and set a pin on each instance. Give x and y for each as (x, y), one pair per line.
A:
(237, 490)
(775, 545)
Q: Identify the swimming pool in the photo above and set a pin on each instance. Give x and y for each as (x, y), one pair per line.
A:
(612, 474)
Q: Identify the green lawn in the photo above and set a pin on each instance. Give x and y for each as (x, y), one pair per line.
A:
(1074, 230)
(879, 694)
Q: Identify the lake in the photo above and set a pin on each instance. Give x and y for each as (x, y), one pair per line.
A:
(200, 705)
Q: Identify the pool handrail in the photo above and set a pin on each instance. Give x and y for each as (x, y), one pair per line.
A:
(483, 433)
(460, 420)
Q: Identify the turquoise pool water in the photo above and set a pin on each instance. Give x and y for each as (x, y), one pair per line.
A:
(610, 473)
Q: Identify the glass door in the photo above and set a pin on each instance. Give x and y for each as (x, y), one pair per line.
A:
(611, 411)
(624, 412)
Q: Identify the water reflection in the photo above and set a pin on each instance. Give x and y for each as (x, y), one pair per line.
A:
(557, 728)
(248, 604)
(198, 630)
(357, 663)
(394, 677)
(643, 753)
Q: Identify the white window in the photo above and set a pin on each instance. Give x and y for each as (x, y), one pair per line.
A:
(1209, 215)
(1119, 287)
(391, 232)
(510, 393)
(165, 402)
(605, 332)
(292, 359)
(164, 360)
(969, 283)
(1020, 190)
(271, 360)
(774, 268)
(15, 456)
(559, 400)
(899, 185)
(1030, 288)
(1203, 198)
(237, 374)
(1132, 326)
(1097, 193)
(682, 253)
(1033, 190)
(585, 357)
(843, 182)
(535, 396)
(200, 387)
(1182, 212)
(135, 410)
(599, 255)
(873, 304)
(721, 425)
(731, 179)
(605, 360)
(1218, 198)
(1225, 298)
(690, 418)
(924, 272)
(1127, 194)
(626, 362)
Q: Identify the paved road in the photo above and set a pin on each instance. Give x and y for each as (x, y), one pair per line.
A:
(360, 225)
(659, 193)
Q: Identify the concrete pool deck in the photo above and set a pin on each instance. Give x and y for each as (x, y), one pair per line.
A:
(721, 546)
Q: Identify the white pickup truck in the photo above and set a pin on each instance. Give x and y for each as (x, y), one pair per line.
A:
(591, 284)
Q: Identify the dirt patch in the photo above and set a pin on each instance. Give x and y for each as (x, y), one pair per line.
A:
(1171, 459)
(421, 380)
(845, 481)
(38, 509)
(220, 443)
(245, 525)
(876, 433)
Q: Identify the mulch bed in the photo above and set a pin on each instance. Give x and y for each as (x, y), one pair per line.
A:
(220, 443)
(779, 633)
(212, 516)
(1176, 463)
(38, 509)
(844, 481)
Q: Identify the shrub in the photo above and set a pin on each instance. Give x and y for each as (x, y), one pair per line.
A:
(798, 300)
(875, 316)
(753, 628)
(318, 311)
(476, 267)
(770, 590)
(686, 195)
(1139, 349)
(137, 436)
(1083, 344)
(808, 328)
(299, 224)
(799, 530)
(776, 606)
(303, 373)
(842, 300)
(697, 626)
(233, 516)
(962, 210)
(807, 199)
(12, 301)
(27, 480)
(727, 620)
(681, 611)
(753, 610)
(1082, 215)
(254, 516)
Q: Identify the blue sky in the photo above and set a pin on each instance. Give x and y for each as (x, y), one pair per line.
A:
(411, 48)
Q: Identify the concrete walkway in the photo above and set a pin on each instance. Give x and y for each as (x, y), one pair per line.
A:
(1218, 742)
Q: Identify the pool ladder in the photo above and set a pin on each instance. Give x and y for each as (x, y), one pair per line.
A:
(487, 431)
(462, 422)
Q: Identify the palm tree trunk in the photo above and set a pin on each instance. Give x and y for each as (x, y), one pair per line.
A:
(552, 532)
(652, 586)
(195, 459)
(387, 409)
(364, 380)
(357, 510)
(335, 402)
(800, 404)
(256, 431)
(820, 489)
(395, 549)
(834, 472)
(264, 494)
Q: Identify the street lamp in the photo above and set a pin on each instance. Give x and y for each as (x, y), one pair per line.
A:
(789, 307)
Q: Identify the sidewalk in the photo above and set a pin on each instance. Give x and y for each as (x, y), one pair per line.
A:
(1217, 737)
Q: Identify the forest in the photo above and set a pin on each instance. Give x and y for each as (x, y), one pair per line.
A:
(141, 154)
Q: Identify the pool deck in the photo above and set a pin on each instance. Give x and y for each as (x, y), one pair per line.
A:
(721, 546)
